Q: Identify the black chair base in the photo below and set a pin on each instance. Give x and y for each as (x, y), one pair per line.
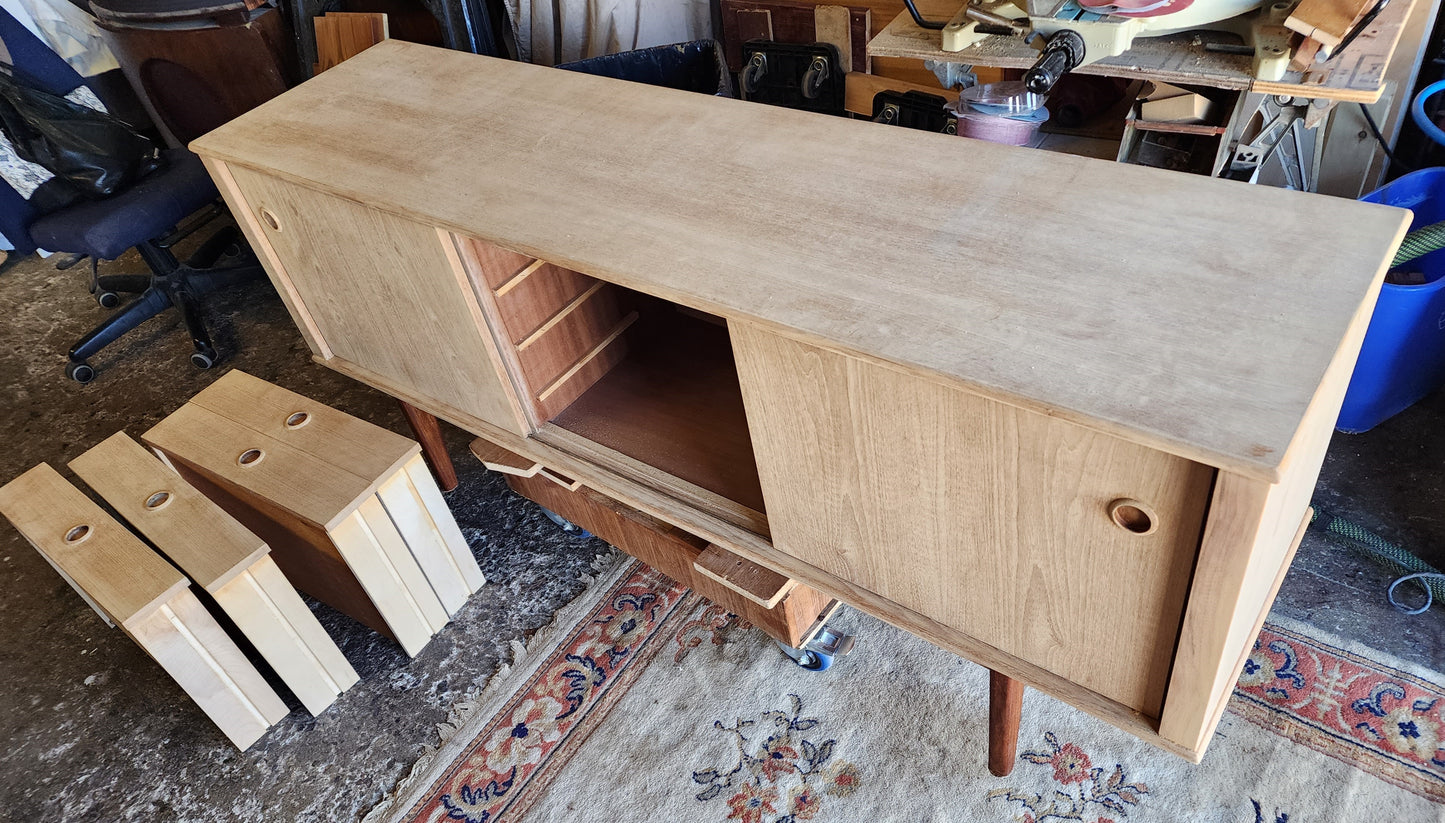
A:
(170, 283)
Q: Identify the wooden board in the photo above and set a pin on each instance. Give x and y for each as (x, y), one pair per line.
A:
(498, 459)
(208, 545)
(537, 298)
(194, 650)
(343, 35)
(117, 574)
(1187, 346)
(265, 607)
(407, 311)
(349, 443)
(1356, 75)
(305, 485)
(989, 519)
(1326, 21)
(758, 584)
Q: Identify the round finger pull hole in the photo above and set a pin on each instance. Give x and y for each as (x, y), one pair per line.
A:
(270, 220)
(250, 457)
(77, 534)
(1133, 516)
(297, 420)
(158, 500)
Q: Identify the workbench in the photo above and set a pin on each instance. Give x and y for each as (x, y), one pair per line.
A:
(1060, 416)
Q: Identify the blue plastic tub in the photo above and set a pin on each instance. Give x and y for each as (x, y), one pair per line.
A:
(1403, 357)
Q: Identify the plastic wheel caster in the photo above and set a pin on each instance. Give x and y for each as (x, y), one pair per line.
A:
(564, 524)
(107, 299)
(80, 373)
(819, 653)
(813, 78)
(203, 360)
(753, 72)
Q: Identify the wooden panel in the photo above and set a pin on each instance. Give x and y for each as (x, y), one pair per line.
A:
(265, 607)
(384, 291)
(302, 550)
(535, 299)
(193, 649)
(118, 574)
(409, 514)
(859, 90)
(193, 532)
(1178, 345)
(425, 488)
(673, 552)
(563, 341)
(310, 488)
(350, 443)
(987, 518)
(1245, 550)
(758, 584)
(378, 568)
(383, 534)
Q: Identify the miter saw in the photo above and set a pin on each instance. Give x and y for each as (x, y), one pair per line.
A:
(1072, 33)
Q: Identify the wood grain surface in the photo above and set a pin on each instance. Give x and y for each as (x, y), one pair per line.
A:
(987, 518)
(210, 546)
(1163, 308)
(382, 290)
(121, 577)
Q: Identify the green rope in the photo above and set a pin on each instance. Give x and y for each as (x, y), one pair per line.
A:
(1433, 580)
(1419, 243)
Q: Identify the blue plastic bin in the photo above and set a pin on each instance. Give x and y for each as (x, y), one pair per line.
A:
(1403, 357)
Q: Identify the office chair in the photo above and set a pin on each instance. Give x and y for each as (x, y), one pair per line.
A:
(145, 217)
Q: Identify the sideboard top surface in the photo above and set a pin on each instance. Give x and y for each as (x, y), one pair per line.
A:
(1192, 314)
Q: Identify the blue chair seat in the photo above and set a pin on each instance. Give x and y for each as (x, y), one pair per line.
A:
(104, 229)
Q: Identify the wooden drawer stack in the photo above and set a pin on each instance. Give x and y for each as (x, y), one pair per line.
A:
(221, 556)
(351, 514)
(565, 328)
(130, 586)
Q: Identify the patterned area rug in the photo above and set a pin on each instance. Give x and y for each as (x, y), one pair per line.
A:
(655, 705)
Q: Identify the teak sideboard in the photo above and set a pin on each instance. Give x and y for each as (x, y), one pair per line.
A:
(1060, 416)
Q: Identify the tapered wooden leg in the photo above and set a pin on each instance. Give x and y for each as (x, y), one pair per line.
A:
(1005, 707)
(429, 434)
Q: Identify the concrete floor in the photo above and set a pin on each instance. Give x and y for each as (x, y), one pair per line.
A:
(92, 730)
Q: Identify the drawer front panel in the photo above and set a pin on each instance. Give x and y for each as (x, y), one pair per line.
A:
(383, 293)
(1018, 529)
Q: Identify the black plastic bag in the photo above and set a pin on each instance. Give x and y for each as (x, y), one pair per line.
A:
(90, 153)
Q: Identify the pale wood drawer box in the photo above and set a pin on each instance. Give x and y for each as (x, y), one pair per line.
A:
(1085, 466)
(349, 509)
(130, 586)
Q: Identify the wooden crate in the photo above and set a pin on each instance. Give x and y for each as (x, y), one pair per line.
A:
(130, 586)
(349, 510)
(224, 558)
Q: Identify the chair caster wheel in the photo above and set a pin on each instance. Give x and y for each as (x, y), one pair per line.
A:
(80, 373)
(107, 299)
(565, 524)
(203, 360)
(819, 653)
